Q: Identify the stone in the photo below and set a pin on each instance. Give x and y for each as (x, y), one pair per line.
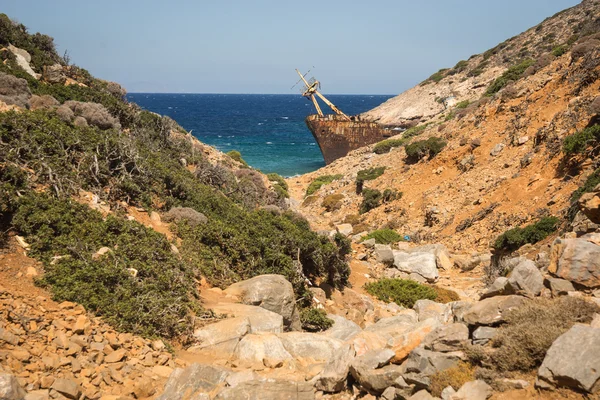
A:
(335, 373)
(373, 359)
(9, 337)
(162, 371)
(53, 74)
(144, 388)
(497, 149)
(483, 334)
(310, 346)
(318, 294)
(101, 251)
(421, 395)
(369, 243)
(268, 390)
(491, 311)
(573, 360)
(526, 279)
(42, 394)
(447, 338)
(589, 204)
(115, 356)
(67, 387)
(342, 328)
(447, 392)
(344, 229)
(255, 349)
(193, 380)
(515, 383)
(499, 287)
(422, 363)
(559, 287)
(31, 272)
(377, 380)
(271, 292)
(430, 309)
(221, 337)
(261, 320)
(23, 58)
(384, 254)
(423, 264)
(80, 323)
(235, 378)
(10, 388)
(475, 390)
(576, 260)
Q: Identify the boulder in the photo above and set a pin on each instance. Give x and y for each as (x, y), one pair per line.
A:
(483, 335)
(423, 264)
(430, 309)
(526, 279)
(261, 320)
(221, 337)
(268, 390)
(576, 260)
(589, 204)
(422, 363)
(573, 360)
(500, 287)
(335, 373)
(422, 395)
(53, 74)
(271, 292)
(491, 311)
(310, 346)
(10, 388)
(342, 328)
(447, 338)
(475, 390)
(384, 254)
(377, 380)
(559, 287)
(261, 349)
(193, 380)
(67, 387)
(369, 243)
(344, 229)
(23, 58)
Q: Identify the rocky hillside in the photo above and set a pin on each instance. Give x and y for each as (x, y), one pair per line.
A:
(469, 79)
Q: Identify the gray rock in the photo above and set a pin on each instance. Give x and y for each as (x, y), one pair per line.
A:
(422, 363)
(573, 360)
(342, 329)
(261, 320)
(430, 309)
(67, 387)
(423, 264)
(309, 345)
(53, 74)
(335, 373)
(491, 311)
(221, 337)
(447, 392)
(376, 380)
(500, 287)
(193, 380)
(373, 359)
(235, 378)
(497, 149)
(271, 292)
(559, 287)
(576, 260)
(447, 338)
(9, 337)
(344, 229)
(23, 59)
(459, 308)
(268, 390)
(42, 394)
(261, 349)
(384, 254)
(475, 390)
(369, 243)
(526, 279)
(422, 395)
(483, 335)
(10, 388)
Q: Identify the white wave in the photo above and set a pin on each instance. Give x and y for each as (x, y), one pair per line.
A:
(285, 117)
(269, 143)
(260, 123)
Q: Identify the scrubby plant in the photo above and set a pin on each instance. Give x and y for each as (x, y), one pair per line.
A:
(94, 113)
(314, 320)
(384, 236)
(514, 238)
(455, 377)
(459, 67)
(371, 199)
(400, 291)
(333, 202)
(320, 181)
(279, 185)
(386, 145)
(559, 50)
(421, 148)
(390, 195)
(14, 91)
(187, 214)
(45, 102)
(414, 131)
(462, 104)
(445, 295)
(583, 140)
(237, 156)
(514, 73)
(367, 175)
(522, 342)
(479, 69)
(590, 183)
(437, 77)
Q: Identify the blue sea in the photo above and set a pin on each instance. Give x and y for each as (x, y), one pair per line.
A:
(268, 130)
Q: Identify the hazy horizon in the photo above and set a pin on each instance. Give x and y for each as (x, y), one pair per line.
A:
(253, 47)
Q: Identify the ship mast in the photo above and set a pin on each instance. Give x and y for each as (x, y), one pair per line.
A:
(311, 89)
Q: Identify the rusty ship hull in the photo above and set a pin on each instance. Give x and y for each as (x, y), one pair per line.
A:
(337, 136)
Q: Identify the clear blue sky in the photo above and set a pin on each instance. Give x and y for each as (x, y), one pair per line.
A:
(245, 46)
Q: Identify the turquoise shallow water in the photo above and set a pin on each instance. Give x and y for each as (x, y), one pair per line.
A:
(268, 130)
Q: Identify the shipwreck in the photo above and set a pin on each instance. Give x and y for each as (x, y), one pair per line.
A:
(338, 134)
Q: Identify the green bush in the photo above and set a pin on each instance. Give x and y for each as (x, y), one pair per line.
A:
(463, 104)
(391, 195)
(237, 156)
(367, 175)
(521, 344)
(320, 181)
(279, 185)
(514, 73)
(400, 291)
(514, 238)
(371, 199)
(388, 144)
(421, 148)
(332, 202)
(590, 183)
(414, 131)
(314, 320)
(459, 67)
(384, 236)
(559, 50)
(579, 142)
(437, 77)
(479, 69)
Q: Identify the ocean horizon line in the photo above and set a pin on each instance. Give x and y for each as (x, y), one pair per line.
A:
(264, 94)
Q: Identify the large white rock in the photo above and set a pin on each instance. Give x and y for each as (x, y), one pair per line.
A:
(335, 373)
(193, 381)
(423, 264)
(262, 349)
(261, 320)
(221, 337)
(10, 388)
(311, 346)
(342, 329)
(491, 311)
(526, 279)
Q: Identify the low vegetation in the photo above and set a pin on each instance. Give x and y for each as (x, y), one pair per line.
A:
(462, 104)
(386, 145)
(320, 181)
(314, 320)
(333, 202)
(279, 185)
(437, 77)
(514, 73)
(237, 156)
(586, 141)
(384, 236)
(367, 175)
(414, 131)
(455, 377)
(400, 291)
(515, 238)
(521, 344)
(371, 198)
(590, 183)
(422, 148)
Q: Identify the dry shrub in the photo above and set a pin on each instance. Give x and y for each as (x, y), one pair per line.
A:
(80, 122)
(45, 102)
(65, 113)
(310, 200)
(456, 376)
(333, 202)
(215, 175)
(14, 91)
(584, 48)
(116, 90)
(530, 330)
(352, 219)
(445, 295)
(94, 113)
(360, 228)
(193, 217)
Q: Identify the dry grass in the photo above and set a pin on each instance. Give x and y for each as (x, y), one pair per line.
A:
(445, 295)
(332, 202)
(456, 377)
